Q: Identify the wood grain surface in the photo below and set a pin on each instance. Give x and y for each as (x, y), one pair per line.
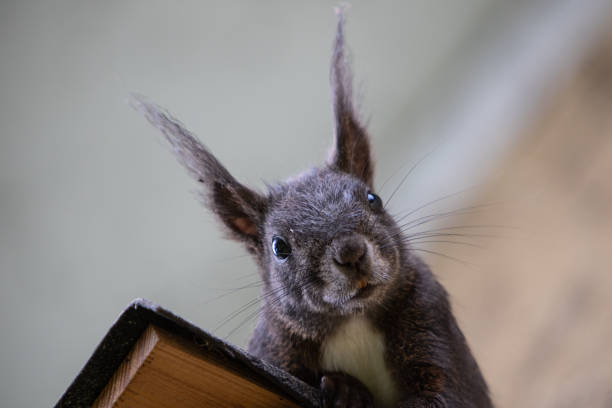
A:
(163, 370)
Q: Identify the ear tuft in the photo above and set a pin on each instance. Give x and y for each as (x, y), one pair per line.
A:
(240, 209)
(351, 150)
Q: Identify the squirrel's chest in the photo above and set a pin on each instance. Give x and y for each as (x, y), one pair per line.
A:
(358, 349)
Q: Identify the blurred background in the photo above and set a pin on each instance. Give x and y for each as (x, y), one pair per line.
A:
(506, 106)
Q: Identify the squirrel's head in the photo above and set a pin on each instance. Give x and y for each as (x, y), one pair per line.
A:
(323, 240)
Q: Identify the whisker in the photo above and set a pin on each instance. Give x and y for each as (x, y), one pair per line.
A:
(414, 166)
(414, 237)
(476, 226)
(231, 258)
(444, 197)
(418, 241)
(233, 290)
(282, 290)
(460, 211)
(433, 217)
(247, 306)
(461, 261)
(274, 301)
(427, 234)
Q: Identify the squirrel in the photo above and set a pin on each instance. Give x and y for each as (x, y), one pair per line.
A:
(347, 306)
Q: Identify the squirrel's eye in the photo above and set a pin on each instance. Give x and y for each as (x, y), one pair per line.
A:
(281, 248)
(374, 201)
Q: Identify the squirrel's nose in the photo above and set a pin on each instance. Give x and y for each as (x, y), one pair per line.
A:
(349, 251)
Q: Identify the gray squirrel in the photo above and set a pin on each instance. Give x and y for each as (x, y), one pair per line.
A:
(347, 306)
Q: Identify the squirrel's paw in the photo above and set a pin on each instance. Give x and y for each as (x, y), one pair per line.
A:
(340, 390)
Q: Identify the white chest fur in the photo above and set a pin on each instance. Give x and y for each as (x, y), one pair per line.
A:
(358, 349)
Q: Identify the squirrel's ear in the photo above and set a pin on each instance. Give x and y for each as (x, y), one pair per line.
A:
(351, 150)
(239, 208)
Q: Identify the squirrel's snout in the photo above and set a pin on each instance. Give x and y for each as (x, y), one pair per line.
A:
(350, 255)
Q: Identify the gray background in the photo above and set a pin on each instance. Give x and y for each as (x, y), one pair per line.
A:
(94, 211)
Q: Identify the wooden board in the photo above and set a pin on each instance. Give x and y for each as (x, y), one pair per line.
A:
(151, 357)
(164, 371)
